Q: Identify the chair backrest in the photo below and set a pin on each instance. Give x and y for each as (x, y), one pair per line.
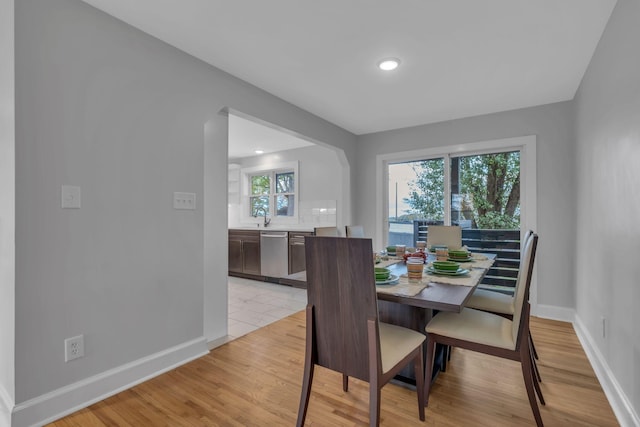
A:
(326, 231)
(449, 235)
(341, 290)
(519, 282)
(354, 231)
(521, 297)
(523, 242)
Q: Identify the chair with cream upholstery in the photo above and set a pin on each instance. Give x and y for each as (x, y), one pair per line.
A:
(492, 334)
(448, 235)
(354, 231)
(326, 231)
(342, 328)
(501, 304)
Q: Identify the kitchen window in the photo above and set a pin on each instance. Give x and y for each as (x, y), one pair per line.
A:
(271, 192)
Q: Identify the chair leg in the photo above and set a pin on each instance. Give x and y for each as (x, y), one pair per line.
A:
(306, 391)
(374, 404)
(431, 347)
(535, 368)
(309, 367)
(529, 381)
(345, 382)
(419, 370)
(444, 358)
(533, 347)
(536, 386)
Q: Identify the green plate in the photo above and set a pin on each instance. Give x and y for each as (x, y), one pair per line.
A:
(392, 280)
(460, 272)
(460, 259)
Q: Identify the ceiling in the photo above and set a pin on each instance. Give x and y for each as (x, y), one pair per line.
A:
(246, 136)
(459, 58)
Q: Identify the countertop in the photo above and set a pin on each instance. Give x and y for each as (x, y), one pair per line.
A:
(295, 229)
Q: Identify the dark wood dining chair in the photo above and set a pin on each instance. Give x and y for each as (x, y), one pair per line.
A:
(492, 334)
(326, 231)
(354, 231)
(342, 328)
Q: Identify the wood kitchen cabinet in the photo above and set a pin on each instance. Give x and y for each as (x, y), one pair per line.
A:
(244, 253)
(296, 251)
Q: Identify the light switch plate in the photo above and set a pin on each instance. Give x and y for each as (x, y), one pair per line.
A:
(185, 201)
(71, 196)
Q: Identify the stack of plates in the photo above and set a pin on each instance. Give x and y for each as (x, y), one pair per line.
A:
(384, 276)
(460, 256)
(446, 268)
(382, 273)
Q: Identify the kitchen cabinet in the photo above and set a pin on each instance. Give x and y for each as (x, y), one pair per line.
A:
(244, 253)
(296, 251)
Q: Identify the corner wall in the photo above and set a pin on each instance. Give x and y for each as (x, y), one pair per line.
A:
(552, 125)
(121, 114)
(7, 211)
(607, 108)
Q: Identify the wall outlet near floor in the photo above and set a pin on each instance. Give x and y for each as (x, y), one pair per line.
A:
(73, 348)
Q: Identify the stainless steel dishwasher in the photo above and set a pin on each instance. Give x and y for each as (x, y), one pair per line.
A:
(274, 254)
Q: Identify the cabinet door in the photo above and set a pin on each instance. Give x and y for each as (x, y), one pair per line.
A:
(296, 257)
(251, 257)
(296, 251)
(235, 255)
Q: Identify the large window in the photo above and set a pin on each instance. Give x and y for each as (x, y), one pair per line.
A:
(271, 192)
(474, 191)
(486, 187)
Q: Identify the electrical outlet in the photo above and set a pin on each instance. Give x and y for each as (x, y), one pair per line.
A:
(73, 348)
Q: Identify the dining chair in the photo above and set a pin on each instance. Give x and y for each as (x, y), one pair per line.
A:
(448, 235)
(326, 231)
(343, 332)
(492, 334)
(503, 305)
(354, 231)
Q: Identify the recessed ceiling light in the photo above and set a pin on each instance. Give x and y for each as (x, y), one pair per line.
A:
(389, 64)
(259, 151)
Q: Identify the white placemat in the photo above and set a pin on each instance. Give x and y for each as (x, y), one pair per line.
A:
(479, 261)
(404, 287)
(388, 262)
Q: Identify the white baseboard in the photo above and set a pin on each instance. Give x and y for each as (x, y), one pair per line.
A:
(562, 314)
(73, 397)
(622, 407)
(6, 406)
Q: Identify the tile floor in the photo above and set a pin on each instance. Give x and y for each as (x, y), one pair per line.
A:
(254, 304)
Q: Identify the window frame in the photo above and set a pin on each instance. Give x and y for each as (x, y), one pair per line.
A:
(528, 187)
(271, 170)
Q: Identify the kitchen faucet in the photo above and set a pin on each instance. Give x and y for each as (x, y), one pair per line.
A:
(264, 212)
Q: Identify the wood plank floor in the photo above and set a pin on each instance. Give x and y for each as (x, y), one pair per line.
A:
(256, 379)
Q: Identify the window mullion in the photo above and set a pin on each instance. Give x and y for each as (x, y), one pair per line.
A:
(447, 189)
(272, 194)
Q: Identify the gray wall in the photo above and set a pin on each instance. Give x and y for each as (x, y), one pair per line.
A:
(555, 174)
(320, 178)
(106, 107)
(7, 211)
(608, 198)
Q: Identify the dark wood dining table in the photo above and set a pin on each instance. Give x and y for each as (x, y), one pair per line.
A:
(414, 312)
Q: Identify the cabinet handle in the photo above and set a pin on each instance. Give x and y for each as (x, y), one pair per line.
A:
(296, 244)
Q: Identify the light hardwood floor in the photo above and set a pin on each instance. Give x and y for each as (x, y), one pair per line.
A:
(255, 380)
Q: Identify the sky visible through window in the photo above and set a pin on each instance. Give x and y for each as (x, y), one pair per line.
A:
(402, 174)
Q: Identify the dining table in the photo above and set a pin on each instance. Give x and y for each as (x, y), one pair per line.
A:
(412, 304)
